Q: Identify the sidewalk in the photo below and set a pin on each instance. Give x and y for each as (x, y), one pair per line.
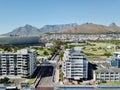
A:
(56, 76)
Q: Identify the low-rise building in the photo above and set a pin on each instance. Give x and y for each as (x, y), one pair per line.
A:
(17, 64)
(75, 65)
(111, 47)
(109, 70)
(105, 72)
(48, 45)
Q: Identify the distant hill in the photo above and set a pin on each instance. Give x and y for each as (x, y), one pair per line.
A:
(92, 29)
(26, 30)
(29, 30)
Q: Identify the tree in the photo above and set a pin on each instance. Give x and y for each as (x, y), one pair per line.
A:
(66, 46)
(61, 55)
(40, 48)
(8, 49)
(4, 80)
(45, 53)
(107, 54)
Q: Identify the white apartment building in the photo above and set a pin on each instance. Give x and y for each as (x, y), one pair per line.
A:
(105, 72)
(109, 70)
(75, 65)
(18, 64)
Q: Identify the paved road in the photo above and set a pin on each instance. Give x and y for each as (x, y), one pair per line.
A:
(47, 77)
(56, 58)
(44, 88)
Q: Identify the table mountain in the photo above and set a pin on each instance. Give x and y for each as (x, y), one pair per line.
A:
(54, 28)
(29, 30)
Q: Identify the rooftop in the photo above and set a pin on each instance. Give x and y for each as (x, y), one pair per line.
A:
(22, 51)
(108, 70)
(106, 67)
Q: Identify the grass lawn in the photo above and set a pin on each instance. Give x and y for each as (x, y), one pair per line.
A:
(61, 75)
(95, 48)
(41, 52)
(31, 80)
(99, 49)
(17, 80)
(110, 83)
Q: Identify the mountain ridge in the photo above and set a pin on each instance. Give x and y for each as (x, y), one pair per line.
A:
(92, 29)
(29, 30)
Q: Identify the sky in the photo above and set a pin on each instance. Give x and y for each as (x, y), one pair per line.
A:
(16, 13)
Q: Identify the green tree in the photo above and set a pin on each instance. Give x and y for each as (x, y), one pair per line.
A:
(107, 54)
(61, 55)
(8, 49)
(45, 53)
(40, 48)
(4, 80)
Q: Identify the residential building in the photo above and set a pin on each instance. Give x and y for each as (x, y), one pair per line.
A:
(109, 70)
(17, 64)
(79, 37)
(49, 45)
(75, 65)
(111, 47)
(105, 72)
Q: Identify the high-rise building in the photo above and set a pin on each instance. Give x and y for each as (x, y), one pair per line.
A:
(18, 64)
(75, 65)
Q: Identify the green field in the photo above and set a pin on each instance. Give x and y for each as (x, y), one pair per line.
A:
(99, 49)
(110, 83)
(96, 48)
(42, 51)
(30, 81)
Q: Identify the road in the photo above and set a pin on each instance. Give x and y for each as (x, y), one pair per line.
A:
(46, 77)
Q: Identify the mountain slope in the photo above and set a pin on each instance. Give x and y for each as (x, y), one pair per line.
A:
(91, 28)
(29, 30)
(25, 30)
(113, 26)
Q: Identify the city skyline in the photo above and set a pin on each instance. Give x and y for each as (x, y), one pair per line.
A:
(42, 12)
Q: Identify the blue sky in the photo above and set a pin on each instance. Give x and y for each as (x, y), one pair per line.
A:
(15, 13)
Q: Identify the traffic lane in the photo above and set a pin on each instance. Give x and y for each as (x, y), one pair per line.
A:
(44, 88)
(47, 77)
(56, 58)
(48, 71)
